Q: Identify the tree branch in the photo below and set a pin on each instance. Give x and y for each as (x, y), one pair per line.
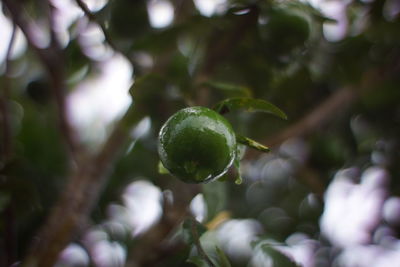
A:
(53, 61)
(77, 200)
(5, 122)
(94, 19)
(328, 109)
(10, 242)
(337, 103)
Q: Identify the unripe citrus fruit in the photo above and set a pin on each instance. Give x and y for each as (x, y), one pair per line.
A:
(197, 145)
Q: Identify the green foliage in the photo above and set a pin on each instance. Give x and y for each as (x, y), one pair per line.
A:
(251, 143)
(192, 230)
(232, 90)
(278, 258)
(128, 19)
(215, 196)
(250, 105)
(232, 61)
(191, 234)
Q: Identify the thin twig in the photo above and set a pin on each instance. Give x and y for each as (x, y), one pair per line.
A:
(94, 19)
(57, 76)
(197, 243)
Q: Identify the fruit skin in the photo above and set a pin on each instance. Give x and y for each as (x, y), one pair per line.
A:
(197, 145)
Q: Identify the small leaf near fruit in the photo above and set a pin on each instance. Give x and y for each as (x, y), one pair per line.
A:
(229, 89)
(250, 105)
(162, 169)
(251, 143)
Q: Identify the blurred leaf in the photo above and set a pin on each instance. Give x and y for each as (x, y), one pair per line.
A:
(192, 230)
(251, 143)
(5, 199)
(239, 178)
(222, 258)
(218, 219)
(76, 60)
(278, 257)
(128, 19)
(198, 261)
(307, 8)
(17, 186)
(147, 90)
(191, 233)
(215, 197)
(157, 42)
(287, 30)
(229, 89)
(219, 259)
(162, 169)
(250, 105)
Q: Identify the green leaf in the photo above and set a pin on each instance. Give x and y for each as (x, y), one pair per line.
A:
(218, 259)
(251, 143)
(5, 199)
(250, 105)
(192, 231)
(162, 169)
(146, 91)
(146, 86)
(239, 178)
(229, 89)
(198, 261)
(223, 260)
(215, 197)
(278, 257)
(190, 235)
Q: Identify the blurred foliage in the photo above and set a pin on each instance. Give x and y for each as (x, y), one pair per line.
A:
(274, 51)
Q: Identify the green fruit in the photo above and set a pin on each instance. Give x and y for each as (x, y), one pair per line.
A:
(197, 145)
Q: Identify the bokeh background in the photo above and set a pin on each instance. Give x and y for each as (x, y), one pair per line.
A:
(328, 194)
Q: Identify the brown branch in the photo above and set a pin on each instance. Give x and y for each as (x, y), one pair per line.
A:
(87, 181)
(334, 105)
(331, 107)
(5, 116)
(10, 242)
(337, 103)
(80, 195)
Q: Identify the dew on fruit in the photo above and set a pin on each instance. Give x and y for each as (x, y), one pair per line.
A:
(197, 145)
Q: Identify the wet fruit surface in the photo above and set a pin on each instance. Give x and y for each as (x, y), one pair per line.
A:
(197, 145)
